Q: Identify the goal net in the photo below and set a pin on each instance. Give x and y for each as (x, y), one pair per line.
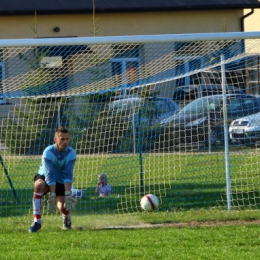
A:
(171, 115)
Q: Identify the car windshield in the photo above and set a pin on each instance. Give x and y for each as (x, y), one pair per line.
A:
(147, 108)
(197, 106)
(215, 103)
(124, 105)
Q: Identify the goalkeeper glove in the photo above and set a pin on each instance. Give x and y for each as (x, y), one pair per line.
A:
(51, 206)
(69, 201)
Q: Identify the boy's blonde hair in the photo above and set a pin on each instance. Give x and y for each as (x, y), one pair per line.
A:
(103, 177)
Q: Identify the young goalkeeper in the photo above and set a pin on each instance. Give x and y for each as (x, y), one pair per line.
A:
(55, 177)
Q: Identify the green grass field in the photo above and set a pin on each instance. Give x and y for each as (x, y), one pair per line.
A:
(181, 181)
(203, 234)
(192, 222)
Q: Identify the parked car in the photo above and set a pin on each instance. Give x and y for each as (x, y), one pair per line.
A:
(245, 130)
(153, 110)
(185, 94)
(118, 97)
(202, 119)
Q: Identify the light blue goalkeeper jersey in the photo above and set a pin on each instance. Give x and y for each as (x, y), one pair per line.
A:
(57, 166)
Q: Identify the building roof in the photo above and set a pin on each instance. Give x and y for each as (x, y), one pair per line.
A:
(22, 7)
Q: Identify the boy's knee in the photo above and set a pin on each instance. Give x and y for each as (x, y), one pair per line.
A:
(39, 185)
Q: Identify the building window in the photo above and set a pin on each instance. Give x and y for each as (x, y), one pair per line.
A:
(253, 75)
(125, 65)
(184, 66)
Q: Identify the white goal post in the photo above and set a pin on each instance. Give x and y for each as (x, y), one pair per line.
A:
(176, 116)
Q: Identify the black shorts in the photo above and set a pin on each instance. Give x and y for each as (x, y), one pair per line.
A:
(60, 189)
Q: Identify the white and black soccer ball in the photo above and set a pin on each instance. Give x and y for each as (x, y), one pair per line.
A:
(149, 202)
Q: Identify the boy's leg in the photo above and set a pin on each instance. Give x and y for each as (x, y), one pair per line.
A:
(40, 188)
(60, 198)
(65, 213)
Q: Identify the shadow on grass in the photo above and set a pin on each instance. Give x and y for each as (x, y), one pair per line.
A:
(179, 196)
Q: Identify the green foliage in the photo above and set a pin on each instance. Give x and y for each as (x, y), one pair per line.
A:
(143, 138)
(39, 83)
(99, 98)
(97, 132)
(32, 127)
(146, 92)
(38, 80)
(82, 115)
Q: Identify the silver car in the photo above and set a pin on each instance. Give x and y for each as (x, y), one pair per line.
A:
(245, 130)
(152, 110)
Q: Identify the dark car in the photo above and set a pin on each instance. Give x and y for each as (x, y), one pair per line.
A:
(185, 94)
(202, 120)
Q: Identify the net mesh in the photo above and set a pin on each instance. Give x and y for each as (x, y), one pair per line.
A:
(152, 115)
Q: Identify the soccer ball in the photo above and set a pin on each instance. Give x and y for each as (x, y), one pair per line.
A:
(149, 202)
